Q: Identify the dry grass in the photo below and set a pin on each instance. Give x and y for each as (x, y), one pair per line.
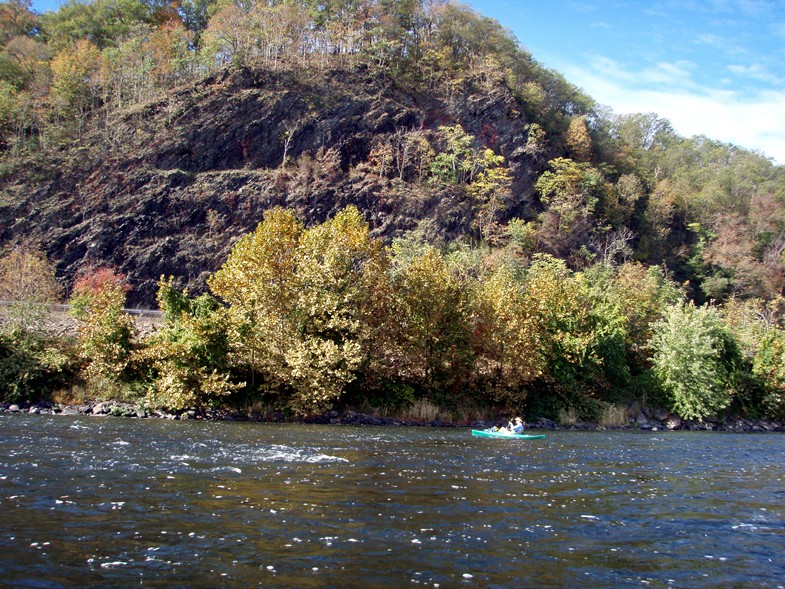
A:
(614, 416)
(424, 410)
(75, 395)
(568, 417)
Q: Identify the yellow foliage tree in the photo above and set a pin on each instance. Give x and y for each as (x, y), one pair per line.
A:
(506, 328)
(578, 139)
(27, 289)
(432, 331)
(75, 80)
(301, 303)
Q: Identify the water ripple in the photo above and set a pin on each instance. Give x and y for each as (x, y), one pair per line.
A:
(93, 502)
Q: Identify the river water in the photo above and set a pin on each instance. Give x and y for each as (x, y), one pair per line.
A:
(111, 502)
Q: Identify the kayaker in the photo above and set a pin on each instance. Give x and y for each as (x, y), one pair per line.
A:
(517, 427)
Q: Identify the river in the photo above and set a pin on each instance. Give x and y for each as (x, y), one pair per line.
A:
(111, 502)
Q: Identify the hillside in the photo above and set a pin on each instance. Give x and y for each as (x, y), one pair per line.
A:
(170, 186)
(149, 140)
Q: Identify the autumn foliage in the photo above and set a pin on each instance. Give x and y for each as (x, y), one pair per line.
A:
(565, 257)
(105, 329)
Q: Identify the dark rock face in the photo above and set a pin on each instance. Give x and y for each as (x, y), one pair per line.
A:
(168, 188)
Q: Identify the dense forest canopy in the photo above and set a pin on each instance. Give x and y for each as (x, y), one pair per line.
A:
(173, 127)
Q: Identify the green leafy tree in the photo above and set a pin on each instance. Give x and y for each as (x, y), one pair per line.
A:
(491, 190)
(769, 366)
(196, 16)
(105, 23)
(33, 367)
(569, 332)
(695, 360)
(459, 161)
(189, 355)
(572, 192)
(757, 327)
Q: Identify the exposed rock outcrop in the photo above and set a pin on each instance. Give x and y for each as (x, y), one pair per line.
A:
(168, 188)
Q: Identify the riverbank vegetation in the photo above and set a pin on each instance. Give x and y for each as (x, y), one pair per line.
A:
(302, 320)
(383, 204)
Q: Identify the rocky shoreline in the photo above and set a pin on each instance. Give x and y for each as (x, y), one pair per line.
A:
(647, 420)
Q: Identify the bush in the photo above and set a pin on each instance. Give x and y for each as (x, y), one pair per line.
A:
(696, 361)
(31, 368)
(105, 329)
(189, 356)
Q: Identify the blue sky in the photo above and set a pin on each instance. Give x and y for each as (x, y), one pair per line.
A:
(711, 67)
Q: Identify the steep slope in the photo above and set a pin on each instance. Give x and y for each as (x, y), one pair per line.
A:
(168, 188)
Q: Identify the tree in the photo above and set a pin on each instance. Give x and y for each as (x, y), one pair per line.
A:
(196, 16)
(76, 80)
(24, 63)
(459, 161)
(491, 189)
(572, 192)
(578, 139)
(189, 355)
(16, 19)
(431, 311)
(104, 23)
(644, 294)
(28, 288)
(301, 303)
(31, 362)
(228, 37)
(339, 267)
(507, 337)
(258, 281)
(695, 360)
(568, 333)
(105, 329)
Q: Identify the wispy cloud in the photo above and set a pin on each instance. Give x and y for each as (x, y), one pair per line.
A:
(755, 71)
(753, 121)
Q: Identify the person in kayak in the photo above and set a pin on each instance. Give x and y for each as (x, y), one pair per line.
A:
(517, 427)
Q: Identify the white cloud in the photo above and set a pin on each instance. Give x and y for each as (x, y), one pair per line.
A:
(754, 72)
(753, 122)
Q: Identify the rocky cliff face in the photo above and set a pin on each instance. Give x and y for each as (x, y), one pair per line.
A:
(168, 188)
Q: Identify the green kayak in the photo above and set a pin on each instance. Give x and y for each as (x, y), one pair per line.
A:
(484, 433)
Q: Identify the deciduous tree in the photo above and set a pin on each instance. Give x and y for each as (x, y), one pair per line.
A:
(189, 355)
(28, 288)
(105, 329)
(695, 360)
